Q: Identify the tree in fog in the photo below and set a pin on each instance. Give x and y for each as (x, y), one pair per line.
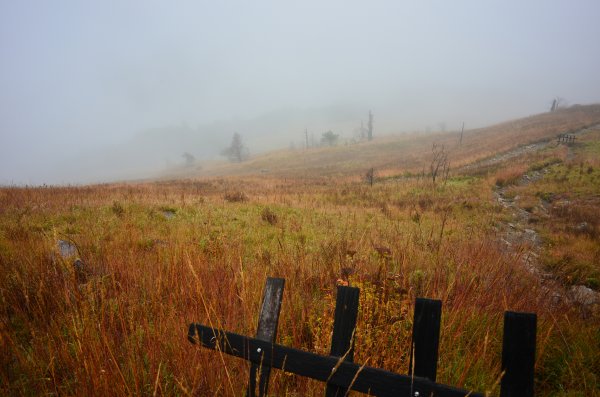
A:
(189, 159)
(329, 138)
(237, 151)
(558, 103)
(370, 126)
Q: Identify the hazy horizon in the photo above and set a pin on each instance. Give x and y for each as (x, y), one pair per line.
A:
(80, 83)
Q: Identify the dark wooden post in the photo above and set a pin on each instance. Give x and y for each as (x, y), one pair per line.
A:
(344, 324)
(266, 331)
(518, 354)
(425, 338)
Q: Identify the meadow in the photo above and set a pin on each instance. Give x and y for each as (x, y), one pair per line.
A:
(158, 255)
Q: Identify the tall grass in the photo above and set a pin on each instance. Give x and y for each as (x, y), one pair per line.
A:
(148, 275)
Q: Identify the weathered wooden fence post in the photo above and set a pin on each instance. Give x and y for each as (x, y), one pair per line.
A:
(266, 331)
(338, 369)
(425, 338)
(344, 324)
(518, 354)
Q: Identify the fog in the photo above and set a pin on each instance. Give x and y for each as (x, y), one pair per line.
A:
(105, 90)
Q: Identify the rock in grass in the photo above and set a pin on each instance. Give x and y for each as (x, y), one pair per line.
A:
(66, 249)
(583, 227)
(584, 296)
(169, 214)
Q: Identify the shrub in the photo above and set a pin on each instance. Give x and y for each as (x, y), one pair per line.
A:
(269, 216)
(235, 197)
(117, 208)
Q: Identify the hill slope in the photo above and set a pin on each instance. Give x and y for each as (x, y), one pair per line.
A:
(98, 283)
(408, 152)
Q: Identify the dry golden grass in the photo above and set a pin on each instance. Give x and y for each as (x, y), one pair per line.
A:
(410, 152)
(161, 255)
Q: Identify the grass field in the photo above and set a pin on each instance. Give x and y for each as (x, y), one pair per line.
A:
(159, 255)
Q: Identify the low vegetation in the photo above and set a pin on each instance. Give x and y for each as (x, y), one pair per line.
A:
(157, 256)
(565, 204)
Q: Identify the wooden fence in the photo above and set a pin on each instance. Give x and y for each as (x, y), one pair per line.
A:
(339, 371)
(565, 138)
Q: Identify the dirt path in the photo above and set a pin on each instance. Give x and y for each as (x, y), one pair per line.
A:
(532, 147)
(525, 244)
(517, 236)
(500, 158)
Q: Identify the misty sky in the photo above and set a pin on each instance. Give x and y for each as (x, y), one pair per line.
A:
(79, 75)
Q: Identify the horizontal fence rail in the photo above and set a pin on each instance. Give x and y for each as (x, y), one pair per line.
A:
(341, 374)
(328, 369)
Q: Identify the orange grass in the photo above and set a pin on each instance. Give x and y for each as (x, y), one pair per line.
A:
(150, 276)
(159, 255)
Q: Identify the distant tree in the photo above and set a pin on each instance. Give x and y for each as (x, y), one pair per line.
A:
(189, 159)
(558, 103)
(329, 138)
(237, 151)
(370, 127)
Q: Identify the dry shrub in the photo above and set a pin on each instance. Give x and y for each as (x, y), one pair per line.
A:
(269, 216)
(235, 197)
(425, 203)
(117, 208)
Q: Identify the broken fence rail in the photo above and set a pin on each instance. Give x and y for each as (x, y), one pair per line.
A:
(342, 375)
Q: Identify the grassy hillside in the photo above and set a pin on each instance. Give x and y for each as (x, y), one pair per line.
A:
(411, 152)
(159, 255)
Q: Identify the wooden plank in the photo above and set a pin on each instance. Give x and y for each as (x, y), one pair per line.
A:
(266, 331)
(344, 324)
(345, 374)
(425, 338)
(518, 354)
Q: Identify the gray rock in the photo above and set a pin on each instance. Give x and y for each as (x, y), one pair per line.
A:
(168, 214)
(583, 295)
(66, 249)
